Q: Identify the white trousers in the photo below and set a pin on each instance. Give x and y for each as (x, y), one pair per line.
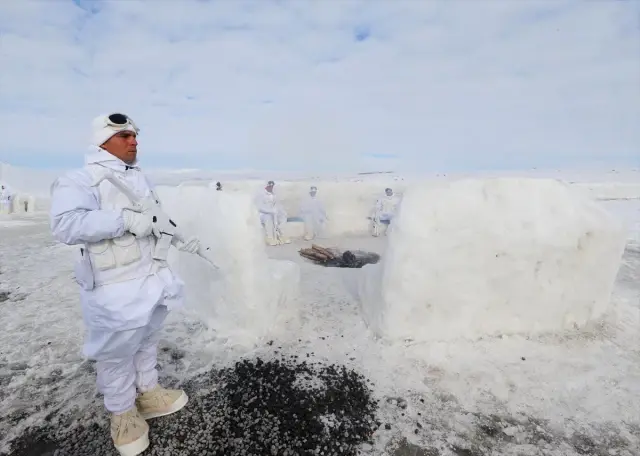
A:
(127, 362)
(272, 224)
(313, 227)
(380, 224)
(5, 207)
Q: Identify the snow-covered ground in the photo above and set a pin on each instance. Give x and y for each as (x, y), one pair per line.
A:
(568, 393)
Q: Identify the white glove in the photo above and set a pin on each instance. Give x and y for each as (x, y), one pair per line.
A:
(191, 245)
(139, 224)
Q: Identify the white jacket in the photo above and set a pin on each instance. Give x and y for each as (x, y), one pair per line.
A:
(266, 203)
(120, 281)
(386, 206)
(312, 208)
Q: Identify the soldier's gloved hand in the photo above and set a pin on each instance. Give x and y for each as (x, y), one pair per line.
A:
(139, 224)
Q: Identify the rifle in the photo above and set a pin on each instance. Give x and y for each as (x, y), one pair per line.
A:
(164, 228)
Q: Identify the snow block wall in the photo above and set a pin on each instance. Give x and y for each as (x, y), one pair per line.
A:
(611, 190)
(22, 202)
(25, 203)
(30, 187)
(251, 296)
(488, 257)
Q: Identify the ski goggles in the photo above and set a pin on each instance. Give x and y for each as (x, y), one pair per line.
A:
(120, 121)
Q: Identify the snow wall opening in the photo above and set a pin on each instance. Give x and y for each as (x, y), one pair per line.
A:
(250, 296)
(476, 258)
(348, 204)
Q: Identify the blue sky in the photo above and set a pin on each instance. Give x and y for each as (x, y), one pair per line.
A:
(333, 85)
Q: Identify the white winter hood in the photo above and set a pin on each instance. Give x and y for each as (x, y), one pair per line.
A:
(99, 156)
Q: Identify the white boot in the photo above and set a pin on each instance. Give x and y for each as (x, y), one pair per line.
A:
(161, 401)
(282, 239)
(271, 233)
(375, 229)
(129, 432)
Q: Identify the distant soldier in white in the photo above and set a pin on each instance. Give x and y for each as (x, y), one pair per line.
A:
(125, 292)
(6, 200)
(272, 216)
(313, 214)
(383, 212)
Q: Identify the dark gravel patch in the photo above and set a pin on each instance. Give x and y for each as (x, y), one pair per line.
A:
(275, 407)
